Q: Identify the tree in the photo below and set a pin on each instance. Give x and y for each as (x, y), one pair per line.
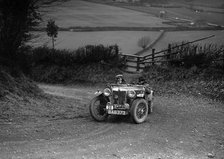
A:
(144, 41)
(52, 30)
(17, 17)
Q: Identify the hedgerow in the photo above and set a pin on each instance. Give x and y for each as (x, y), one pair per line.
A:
(83, 55)
(208, 55)
(92, 63)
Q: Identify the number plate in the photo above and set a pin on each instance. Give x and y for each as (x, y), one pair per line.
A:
(115, 106)
(117, 112)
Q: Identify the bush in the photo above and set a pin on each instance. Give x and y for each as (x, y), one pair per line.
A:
(91, 53)
(195, 81)
(46, 56)
(87, 54)
(87, 64)
(16, 85)
(191, 55)
(88, 73)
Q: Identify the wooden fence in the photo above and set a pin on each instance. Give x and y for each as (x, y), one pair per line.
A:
(134, 62)
(138, 63)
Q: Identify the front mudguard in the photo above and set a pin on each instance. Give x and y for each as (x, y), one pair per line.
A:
(101, 96)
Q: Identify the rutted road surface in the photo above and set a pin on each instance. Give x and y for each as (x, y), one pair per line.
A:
(180, 127)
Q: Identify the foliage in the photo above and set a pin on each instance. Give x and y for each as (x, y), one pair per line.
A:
(16, 18)
(176, 80)
(190, 69)
(81, 73)
(190, 55)
(90, 64)
(144, 42)
(52, 30)
(83, 55)
(16, 84)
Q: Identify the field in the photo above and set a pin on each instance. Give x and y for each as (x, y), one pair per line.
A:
(210, 11)
(81, 13)
(210, 15)
(87, 14)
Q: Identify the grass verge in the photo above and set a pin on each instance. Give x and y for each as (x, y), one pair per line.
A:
(207, 83)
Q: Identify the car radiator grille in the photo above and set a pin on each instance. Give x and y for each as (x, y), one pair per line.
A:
(119, 97)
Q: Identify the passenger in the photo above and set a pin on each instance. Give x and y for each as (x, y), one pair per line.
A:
(141, 81)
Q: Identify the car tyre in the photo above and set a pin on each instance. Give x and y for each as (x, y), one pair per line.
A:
(97, 108)
(139, 110)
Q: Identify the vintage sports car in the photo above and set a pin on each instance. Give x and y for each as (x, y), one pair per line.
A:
(123, 99)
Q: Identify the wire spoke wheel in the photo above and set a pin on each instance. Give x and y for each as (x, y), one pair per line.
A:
(98, 108)
(139, 110)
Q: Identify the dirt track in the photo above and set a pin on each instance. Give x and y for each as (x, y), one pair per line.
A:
(180, 127)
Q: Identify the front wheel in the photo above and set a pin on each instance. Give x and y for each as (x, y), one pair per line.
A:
(139, 110)
(97, 108)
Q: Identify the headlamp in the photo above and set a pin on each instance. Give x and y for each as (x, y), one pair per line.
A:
(107, 92)
(131, 94)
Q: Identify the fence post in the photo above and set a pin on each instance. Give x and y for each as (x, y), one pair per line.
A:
(223, 60)
(153, 56)
(195, 50)
(168, 52)
(138, 60)
(168, 55)
(124, 59)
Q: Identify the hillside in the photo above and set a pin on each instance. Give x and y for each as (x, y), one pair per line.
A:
(81, 13)
(17, 92)
(185, 10)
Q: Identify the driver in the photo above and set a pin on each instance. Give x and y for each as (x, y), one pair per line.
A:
(120, 79)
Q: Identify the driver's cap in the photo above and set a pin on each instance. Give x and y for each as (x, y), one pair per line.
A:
(119, 76)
